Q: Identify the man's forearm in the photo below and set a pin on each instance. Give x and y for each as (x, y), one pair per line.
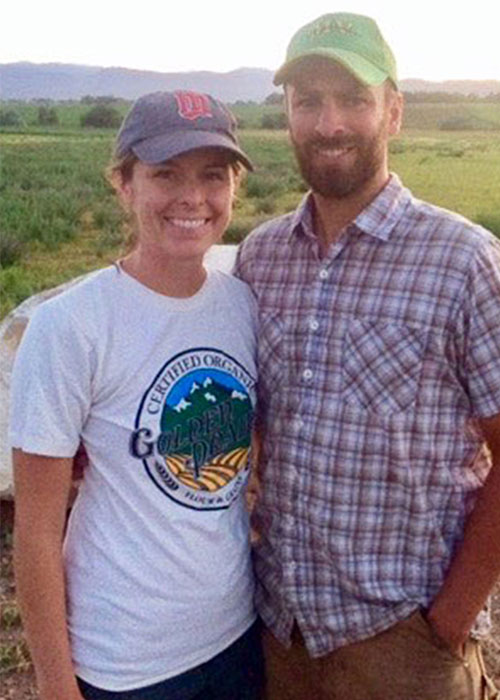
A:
(473, 571)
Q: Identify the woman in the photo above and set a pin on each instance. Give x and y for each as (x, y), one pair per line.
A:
(150, 364)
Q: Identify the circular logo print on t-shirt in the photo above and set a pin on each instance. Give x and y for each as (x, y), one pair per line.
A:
(193, 428)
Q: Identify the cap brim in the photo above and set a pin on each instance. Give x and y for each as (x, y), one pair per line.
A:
(363, 70)
(166, 146)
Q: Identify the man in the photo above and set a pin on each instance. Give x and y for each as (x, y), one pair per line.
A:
(379, 520)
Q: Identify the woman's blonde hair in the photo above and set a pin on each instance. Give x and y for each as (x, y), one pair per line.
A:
(118, 172)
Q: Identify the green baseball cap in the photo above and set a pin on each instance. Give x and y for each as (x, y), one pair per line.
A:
(354, 41)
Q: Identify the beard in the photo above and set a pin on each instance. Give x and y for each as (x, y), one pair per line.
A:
(337, 181)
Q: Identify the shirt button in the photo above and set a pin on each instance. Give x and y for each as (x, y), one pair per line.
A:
(307, 374)
(323, 273)
(299, 424)
(313, 324)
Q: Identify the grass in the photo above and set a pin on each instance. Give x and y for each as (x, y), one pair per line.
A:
(457, 171)
(54, 197)
(59, 217)
(14, 656)
(10, 617)
(478, 116)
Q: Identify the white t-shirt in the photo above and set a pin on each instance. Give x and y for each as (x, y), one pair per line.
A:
(160, 390)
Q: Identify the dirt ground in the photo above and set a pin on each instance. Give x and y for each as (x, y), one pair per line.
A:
(17, 681)
(492, 645)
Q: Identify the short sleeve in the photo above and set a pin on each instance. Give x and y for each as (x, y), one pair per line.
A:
(51, 384)
(481, 325)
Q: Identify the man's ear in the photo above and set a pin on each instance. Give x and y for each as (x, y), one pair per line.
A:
(396, 109)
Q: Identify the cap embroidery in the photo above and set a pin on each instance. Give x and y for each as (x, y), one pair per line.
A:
(193, 105)
(330, 25)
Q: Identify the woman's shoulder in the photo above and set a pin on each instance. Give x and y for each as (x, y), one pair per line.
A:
(231, 284)
(229, 280)
(236, 296)
(86, 286)
(77, 299)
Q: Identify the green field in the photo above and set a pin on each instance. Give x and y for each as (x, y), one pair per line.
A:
(59, 218)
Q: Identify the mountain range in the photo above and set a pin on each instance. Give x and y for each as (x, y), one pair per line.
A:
(64, 81)
(58, 81)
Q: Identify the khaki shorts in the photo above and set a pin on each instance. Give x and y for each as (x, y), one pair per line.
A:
(406, 662)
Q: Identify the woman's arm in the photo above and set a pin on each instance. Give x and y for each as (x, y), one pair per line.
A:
(42, 486)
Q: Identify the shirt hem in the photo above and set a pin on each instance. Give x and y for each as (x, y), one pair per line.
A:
(104, 683)
(40, 448)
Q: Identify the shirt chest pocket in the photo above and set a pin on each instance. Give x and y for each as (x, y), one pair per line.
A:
(381, 365)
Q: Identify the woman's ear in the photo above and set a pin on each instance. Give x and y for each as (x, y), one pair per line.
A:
(123, 189)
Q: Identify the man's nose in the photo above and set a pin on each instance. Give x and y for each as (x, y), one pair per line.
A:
(330, 120)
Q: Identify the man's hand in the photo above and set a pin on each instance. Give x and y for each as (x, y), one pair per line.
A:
(476, 566)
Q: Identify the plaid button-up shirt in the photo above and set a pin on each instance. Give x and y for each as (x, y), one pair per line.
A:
(374, 361)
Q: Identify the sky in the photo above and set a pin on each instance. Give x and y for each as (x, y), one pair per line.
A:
(432, 39)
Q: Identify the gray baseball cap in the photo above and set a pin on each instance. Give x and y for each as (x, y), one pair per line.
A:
(163, 125)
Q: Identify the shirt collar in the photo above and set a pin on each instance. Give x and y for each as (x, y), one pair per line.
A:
(302, 221)
(377, 219)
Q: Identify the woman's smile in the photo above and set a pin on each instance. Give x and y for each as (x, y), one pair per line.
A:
(187, 223)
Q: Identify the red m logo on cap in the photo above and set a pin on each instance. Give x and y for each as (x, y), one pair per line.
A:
(193, 105)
